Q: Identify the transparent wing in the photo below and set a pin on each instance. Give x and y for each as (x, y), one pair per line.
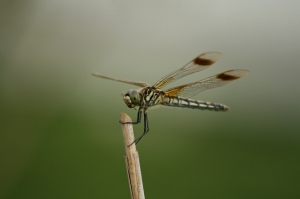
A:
(140, 84)
(189, 90)
(200, 63)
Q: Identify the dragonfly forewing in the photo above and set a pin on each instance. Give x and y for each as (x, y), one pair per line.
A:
(136, 83)
(200, 63)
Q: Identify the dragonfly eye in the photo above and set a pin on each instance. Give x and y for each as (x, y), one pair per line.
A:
(132, 98)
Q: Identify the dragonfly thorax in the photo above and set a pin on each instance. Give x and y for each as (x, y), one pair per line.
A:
(132, 98)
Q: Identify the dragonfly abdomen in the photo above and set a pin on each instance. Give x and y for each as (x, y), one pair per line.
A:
(194, 104)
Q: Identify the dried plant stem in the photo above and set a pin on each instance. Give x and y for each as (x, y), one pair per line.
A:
(132, 160)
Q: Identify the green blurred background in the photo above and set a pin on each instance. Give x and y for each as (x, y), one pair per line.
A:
(59, 130)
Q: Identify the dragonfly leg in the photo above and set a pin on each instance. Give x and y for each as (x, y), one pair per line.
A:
(138, 120)
(146, 129)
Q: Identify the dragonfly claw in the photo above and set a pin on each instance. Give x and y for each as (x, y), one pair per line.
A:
(126, 122)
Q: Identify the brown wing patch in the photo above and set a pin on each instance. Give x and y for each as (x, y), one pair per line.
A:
(232, 75)
(175, 91)
(203, 62)
(226, 77)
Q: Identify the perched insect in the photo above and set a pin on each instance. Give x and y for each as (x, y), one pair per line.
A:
(149, 96)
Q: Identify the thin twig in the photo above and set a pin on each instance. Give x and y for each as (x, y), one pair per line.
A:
(132, 160)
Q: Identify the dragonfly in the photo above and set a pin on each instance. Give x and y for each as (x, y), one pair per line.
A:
(148, 96)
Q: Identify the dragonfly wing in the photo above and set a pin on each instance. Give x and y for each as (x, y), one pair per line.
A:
(136, 83)
(200, 63)
(189, 90)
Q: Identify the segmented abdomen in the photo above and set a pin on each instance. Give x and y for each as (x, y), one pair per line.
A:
(194, 104)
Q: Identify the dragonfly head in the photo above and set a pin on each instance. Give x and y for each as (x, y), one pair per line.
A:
(132, 98)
